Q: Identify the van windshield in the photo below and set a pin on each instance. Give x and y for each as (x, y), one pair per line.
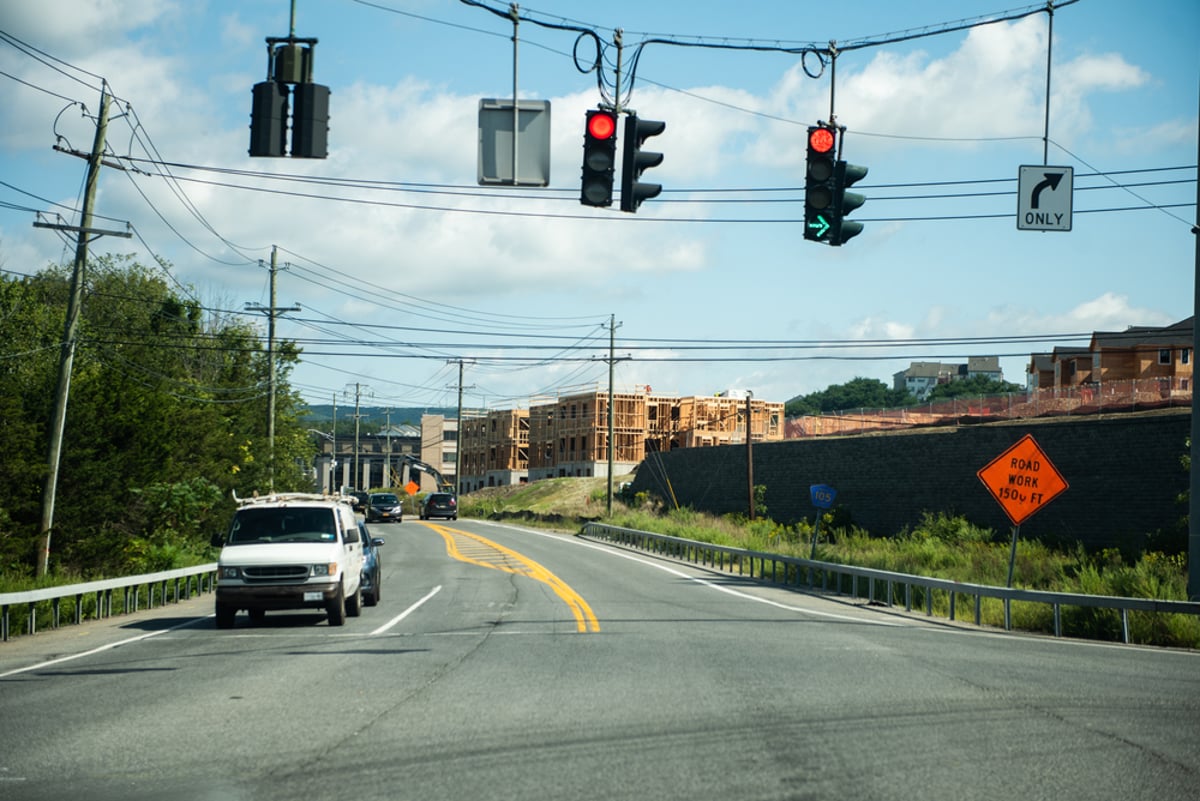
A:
(282, 524)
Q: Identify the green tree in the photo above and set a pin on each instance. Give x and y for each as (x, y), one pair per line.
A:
(167, 417)
(858, 393)
(975, 386)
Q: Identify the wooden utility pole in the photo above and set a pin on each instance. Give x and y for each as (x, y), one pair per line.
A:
(458, 437)
(70, 332)
(612, 360)
(749, 452)
(1193, 581)
(612, 335)
(271, 313)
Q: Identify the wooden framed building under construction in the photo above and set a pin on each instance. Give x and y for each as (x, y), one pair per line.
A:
(495, 449)
(568, 435)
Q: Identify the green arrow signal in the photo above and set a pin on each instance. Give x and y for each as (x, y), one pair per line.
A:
(821, 226)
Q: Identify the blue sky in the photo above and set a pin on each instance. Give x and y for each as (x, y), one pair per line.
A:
(397, 285)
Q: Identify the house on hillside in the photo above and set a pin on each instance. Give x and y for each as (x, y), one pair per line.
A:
(1145, 352)
(921, 377)
(1143, 358)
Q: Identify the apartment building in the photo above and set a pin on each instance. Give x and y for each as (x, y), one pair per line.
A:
(494, 449)
(1146, 358)
(568, 435)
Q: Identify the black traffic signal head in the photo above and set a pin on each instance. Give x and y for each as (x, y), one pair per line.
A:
(599, 158)
(635, 161)
(310, 121)
(819, 187)
(846, 175)
(269, 119)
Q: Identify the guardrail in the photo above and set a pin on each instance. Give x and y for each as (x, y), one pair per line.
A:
(203, 576)
(800, 572)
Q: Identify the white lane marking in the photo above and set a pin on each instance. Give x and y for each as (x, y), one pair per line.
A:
(406, 612)
(736, 593)
(110, 646)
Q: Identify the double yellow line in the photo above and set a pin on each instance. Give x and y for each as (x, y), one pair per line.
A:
(476, 550)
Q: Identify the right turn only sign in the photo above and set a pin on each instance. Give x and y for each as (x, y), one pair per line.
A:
(1044, 196)
(1022, 479)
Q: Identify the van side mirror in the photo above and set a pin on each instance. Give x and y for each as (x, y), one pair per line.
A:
(218, 540)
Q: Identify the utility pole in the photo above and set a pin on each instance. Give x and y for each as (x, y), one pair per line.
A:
(1193, 582)
(358, 390)
(334, 484)
(387, 456)
(749, 451)
(612, 361)
(458, 433)
(70, 332)
(612, 337)
(271, 313)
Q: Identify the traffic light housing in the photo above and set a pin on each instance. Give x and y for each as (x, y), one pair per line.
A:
(819, 183)
(826, 201)
(846, 175)
(269, 120)
(310, 121)
(599, 158)
(635, 161)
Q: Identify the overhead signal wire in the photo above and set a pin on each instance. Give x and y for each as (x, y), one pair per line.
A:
(138, 133)
(490, 318)
(660, 219)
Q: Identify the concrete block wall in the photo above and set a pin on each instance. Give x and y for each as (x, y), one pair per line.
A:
(1124, 475)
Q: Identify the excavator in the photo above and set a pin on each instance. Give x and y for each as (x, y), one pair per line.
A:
(416, 466)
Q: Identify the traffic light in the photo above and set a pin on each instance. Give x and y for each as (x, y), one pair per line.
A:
(635, 161)
(310, 121)
(819, 183)
(269, 120)
(305, 105)
(844, 202)
(599, 158)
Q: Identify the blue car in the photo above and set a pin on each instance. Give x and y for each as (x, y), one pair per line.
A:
(372, 571)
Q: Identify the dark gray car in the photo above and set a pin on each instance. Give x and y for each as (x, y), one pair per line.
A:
(384, 507)
(440, 504)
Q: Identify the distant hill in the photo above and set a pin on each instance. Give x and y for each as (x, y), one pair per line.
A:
(376, 415)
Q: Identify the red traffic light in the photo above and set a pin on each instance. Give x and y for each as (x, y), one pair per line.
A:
(821, 140)
(601, 126)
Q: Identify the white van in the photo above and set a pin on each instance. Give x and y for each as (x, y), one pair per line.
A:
(290, 551)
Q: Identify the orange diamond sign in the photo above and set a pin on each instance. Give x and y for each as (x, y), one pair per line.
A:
(1022, 479)
(411, 487)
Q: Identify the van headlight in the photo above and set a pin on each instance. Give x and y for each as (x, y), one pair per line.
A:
(324, 570)
(228, 573)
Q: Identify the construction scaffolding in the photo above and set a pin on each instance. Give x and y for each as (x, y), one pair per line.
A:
(568, 435)
(495, 448)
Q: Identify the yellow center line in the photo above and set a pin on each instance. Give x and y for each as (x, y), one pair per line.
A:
(476, 550)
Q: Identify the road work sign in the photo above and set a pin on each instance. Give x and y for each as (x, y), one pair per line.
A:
(1022, 479)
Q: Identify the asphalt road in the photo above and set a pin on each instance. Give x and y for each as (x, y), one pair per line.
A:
(505, 663)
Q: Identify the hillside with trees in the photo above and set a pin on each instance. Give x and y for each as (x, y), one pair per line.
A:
(858, 393)
(167, 416)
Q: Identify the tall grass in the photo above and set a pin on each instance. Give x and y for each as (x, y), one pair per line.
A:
(949, 547)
